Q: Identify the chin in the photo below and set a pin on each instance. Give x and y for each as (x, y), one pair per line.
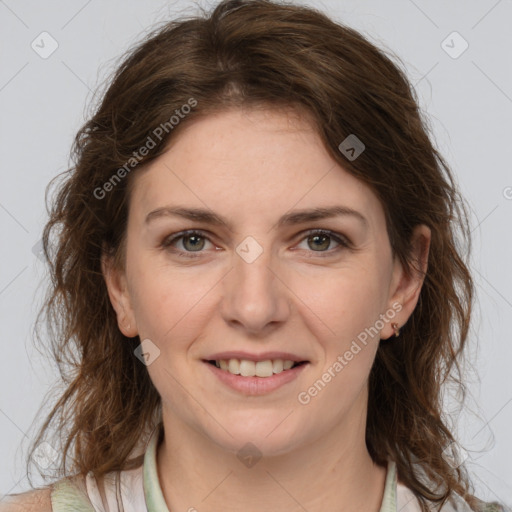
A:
(269, 438)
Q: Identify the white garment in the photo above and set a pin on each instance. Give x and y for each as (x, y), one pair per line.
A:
(123, 492)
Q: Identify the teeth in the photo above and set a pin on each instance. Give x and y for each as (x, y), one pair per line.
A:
(247, 368)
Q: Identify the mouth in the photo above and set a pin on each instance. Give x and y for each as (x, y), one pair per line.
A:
(262, 369)
(255, 378)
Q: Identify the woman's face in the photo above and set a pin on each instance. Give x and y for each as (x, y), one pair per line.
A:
(258, 283)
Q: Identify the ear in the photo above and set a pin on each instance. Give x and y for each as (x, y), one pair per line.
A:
(406, 287)
(116, 282)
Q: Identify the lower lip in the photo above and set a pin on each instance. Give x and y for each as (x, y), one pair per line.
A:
(256, 385)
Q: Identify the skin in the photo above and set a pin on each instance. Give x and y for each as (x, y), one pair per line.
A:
(252, 166)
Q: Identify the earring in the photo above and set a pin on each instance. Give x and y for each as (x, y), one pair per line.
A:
(396, 329)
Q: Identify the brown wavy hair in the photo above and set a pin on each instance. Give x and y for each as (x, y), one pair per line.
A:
(253, 54)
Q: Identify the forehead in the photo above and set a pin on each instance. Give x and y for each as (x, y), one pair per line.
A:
(250, 163)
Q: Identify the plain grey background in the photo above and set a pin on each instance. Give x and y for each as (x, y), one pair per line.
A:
(464, 82)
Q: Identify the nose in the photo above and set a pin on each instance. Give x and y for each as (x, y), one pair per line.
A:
(255, 297)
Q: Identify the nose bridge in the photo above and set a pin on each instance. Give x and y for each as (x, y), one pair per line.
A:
(254, 296)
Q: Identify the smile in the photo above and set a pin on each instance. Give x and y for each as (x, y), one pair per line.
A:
(241, 375)
(247, 368)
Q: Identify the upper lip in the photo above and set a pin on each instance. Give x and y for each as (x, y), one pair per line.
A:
(264, 356)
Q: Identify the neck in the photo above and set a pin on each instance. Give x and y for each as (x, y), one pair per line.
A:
(334, 472)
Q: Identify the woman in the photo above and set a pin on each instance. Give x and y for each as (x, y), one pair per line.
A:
(258, 269)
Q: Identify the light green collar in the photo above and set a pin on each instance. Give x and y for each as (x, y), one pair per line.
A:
(155, 499)
(152, 492)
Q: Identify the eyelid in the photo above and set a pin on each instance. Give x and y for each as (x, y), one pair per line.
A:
(342, 241)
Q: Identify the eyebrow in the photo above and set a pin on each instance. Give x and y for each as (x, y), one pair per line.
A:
(289, 219)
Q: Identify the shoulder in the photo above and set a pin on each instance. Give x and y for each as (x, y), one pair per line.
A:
(65, 495)
(38, 500)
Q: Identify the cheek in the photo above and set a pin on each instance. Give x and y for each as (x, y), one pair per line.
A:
(169, 303)
(345, 302)
(350, 306)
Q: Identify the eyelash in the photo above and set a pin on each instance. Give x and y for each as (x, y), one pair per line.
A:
(167, 242)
